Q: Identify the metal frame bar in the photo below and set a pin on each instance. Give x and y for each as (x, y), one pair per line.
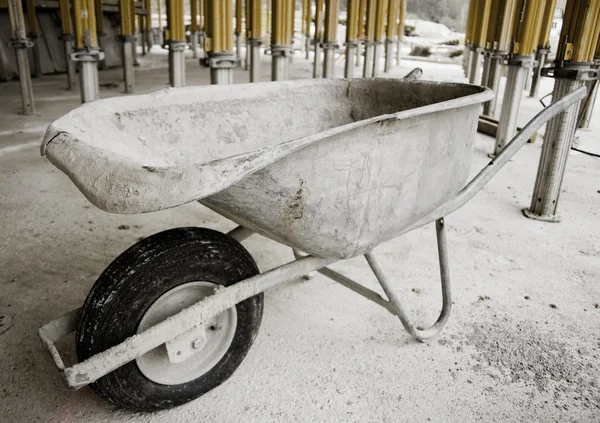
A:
(90, 370)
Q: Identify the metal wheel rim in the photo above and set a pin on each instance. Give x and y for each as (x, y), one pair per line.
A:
(155, 364)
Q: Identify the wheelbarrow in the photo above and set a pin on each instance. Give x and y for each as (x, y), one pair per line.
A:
(330, 168)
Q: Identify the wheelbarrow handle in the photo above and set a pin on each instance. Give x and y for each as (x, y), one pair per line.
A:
(493, 167)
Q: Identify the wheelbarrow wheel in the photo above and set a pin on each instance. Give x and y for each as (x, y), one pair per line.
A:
(154, 279)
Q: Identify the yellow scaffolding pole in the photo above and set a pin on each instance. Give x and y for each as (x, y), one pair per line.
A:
(255, 22)
(579, 34)
(392, 26)
(362, 12)
(482, 13)
(528, 23)
(281, 31)
(194, 15)
(500, 26)
(85, 24)
(547, 21)
(352, 21)
(380, 19)
(125, 17)
(238, 16)
(470, 22)
(175, 13)
(219, 19)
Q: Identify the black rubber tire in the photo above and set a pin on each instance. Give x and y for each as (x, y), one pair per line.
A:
(138, 277)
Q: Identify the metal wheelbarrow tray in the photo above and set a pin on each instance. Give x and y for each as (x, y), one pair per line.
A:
(331, 168)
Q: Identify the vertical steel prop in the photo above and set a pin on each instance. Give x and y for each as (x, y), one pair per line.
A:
(304, 42)
(33, 35)
(247, 27)
(125, 12)
(379, 33)
(587, 108)
(543, 47)
(100, 33)
(219, 41)
(497, 46)
(238, 29)
(177, 42)
(468, 38)
(281, 39)
(479, 32)
(67, 38)
(194, 27)
(573, 66)
(21, 43)
(146, 25)
(390, 34)
(330, 45)
(307, 26)
(318, 38)
(370, 20)
(201, 28)
(401, 15)
(352, 37)
(254, 32)
(362, 14)
(134, 32)
(86, 53)
(527, 24)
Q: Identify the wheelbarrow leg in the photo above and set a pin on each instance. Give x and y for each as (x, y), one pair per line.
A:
(420, 334)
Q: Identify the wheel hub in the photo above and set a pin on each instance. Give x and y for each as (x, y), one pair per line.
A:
(196, 351)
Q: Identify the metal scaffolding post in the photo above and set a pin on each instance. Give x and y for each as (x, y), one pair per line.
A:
(100, 34)
(540, 57)
(558, 138)
(478, 40)
(402, 13)
(497, 46)
(143, 29)
(578, 41)
(586, 114)
(21, 43)
(493, 82)
(307, 25)
(370, 20)
(469, 38)
(518, 67)
(330, 45)
(318, 38)
(238, 30)
(134, 33)
(527, 23)
(177, 42)
(379, 33)
(194, 27)
(219, 41)
(254, 39)
(390, 34)
(125, 12)
(86, 53)
(360, 47)
(281, 39)
(67, 38)
(201, 29)
(33, 35)
(593, 86)
(352, 36)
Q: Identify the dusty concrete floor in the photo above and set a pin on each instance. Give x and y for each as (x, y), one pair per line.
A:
(523, 343)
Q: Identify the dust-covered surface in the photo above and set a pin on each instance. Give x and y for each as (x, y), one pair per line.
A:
(521, 345)
(523, 353)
